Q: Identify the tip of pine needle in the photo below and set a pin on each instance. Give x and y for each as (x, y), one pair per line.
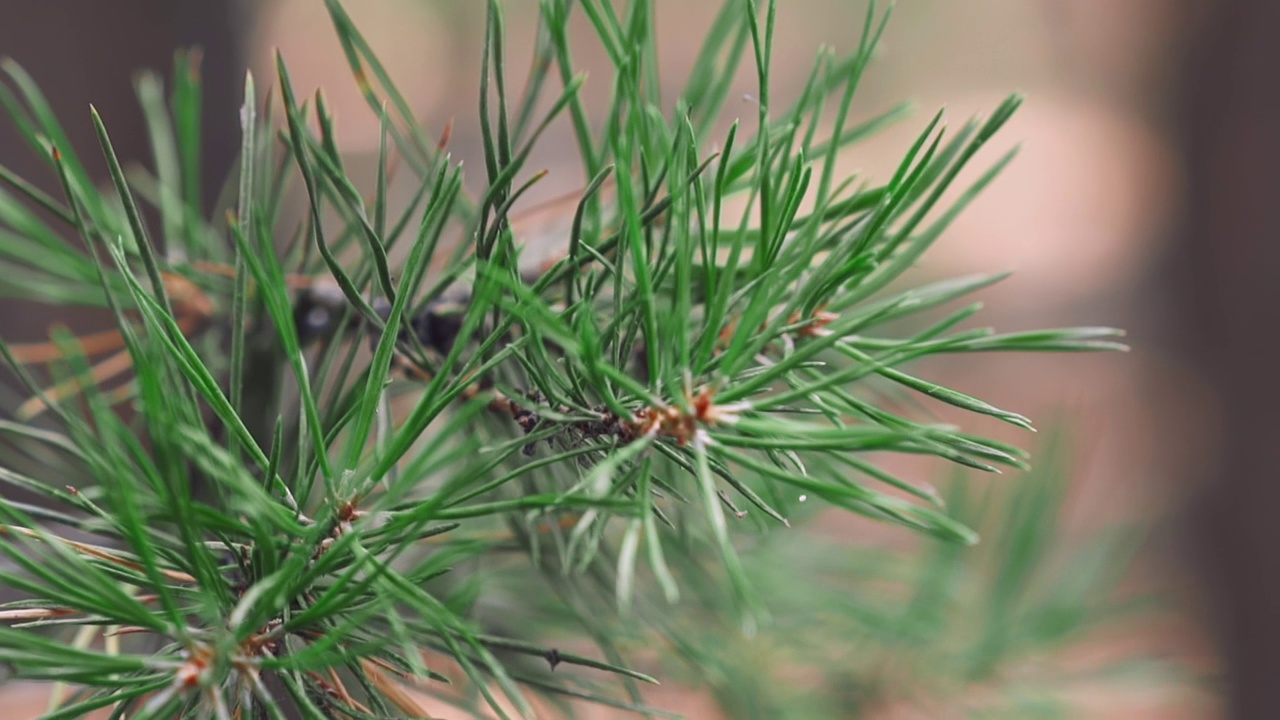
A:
(30, 409)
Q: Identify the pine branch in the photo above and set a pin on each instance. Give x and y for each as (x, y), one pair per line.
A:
(270, 530)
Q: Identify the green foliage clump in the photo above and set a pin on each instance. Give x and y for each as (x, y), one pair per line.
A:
(252, 527)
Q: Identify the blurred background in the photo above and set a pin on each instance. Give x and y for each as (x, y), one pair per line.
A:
(1146, 196)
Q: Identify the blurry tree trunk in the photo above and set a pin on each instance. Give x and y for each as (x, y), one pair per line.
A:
(1226, 282)
(88, 52)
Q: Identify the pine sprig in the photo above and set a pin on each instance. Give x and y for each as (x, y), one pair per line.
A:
(267, 529)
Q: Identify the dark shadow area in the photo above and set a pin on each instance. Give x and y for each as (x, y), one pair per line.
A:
(1225, 302)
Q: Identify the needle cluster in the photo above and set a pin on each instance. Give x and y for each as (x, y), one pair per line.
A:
(283, 482)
